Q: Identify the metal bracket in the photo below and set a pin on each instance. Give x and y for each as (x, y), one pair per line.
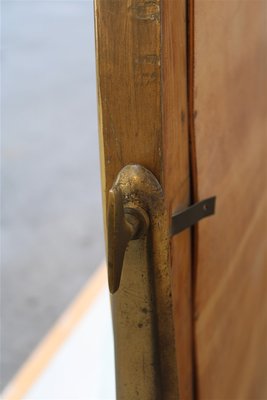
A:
(139, 280)
(191, 215)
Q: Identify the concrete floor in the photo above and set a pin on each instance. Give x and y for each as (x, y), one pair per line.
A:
(90, 346)
(52, 236)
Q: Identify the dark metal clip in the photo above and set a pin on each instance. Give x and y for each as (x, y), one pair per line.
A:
(191, 215)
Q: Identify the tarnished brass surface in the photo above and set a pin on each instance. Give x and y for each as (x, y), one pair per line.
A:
(124, 224)
(142, 305)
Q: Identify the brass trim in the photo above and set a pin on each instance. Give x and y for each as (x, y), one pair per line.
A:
(142, 306)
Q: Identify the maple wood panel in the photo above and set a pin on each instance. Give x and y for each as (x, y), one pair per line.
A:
(176, 179)
(229, 99)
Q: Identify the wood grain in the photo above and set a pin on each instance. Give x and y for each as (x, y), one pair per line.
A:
(229, 99)
(142, 90)
(176, 169)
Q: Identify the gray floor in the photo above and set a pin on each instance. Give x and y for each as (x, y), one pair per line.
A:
(52, 235)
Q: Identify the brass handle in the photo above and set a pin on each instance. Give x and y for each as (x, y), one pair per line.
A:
(125, 223)
(139, 273)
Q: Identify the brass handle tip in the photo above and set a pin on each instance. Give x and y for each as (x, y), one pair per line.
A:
(123, 224)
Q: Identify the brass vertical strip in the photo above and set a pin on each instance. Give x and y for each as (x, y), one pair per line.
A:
(142, 306)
